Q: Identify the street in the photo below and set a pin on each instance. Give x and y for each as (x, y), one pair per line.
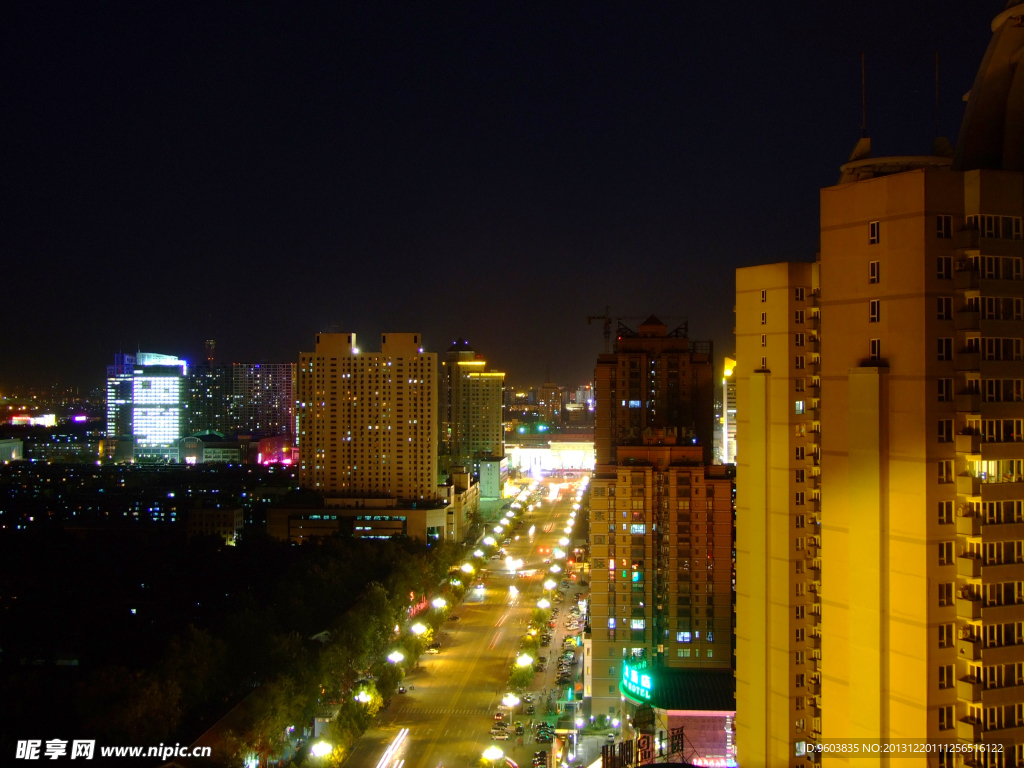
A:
(453, 696)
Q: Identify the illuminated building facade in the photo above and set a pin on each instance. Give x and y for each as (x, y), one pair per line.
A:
(549, 403)
(470, 400)
(661, 533)
(728, 450)
(209, 405)
(264, 398)
(120, 443)
(158, 412)
(916, 549)
(368, 420)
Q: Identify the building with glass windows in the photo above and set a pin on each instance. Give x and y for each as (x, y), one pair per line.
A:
(145, 406)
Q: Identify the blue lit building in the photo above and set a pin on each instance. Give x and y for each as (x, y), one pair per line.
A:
(145, 407)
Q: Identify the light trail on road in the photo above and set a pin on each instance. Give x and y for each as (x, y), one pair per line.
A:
(393, 748)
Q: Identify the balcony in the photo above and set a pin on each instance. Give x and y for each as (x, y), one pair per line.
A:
(968, 526)
(969, 649)
(966, 280)
(968, 567)
(969, 689)
(968, 403)
(968, 485)
(967, 321)
(968, 444)
(968, 609)
(968, 730)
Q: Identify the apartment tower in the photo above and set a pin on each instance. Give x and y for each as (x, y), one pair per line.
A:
(368, 420)
(471, 407)
(921, 452)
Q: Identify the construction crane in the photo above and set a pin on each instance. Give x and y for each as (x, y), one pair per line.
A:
(607, 323)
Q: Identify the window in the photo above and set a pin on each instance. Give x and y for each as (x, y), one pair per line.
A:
(799, 407)
(945, 512)
(945, 349)
(764, 363)
(798, 656)
(799, 725)
(946, 637)
(874, 272)
(874, 233)
(945, 553)
(946, 594)
(800, 453)
(946, 719)
(799, 498)
(799, 362)
(944, 227)
(798, 385)
(944, 267)
(799, 475)
(799, 635)
(764, 340)
(683, 653)
(764, 296)
(798, 317)
(945, 430)
(799, 294)
(874, 311)
(799, 521)
(798, 339)
(799, 590)
(799, 611)
(945, 390)
(799, 702)
(946, 471)
(875, 349)
(946, 679)
(764, 318)
(945, 307)
(682, 637)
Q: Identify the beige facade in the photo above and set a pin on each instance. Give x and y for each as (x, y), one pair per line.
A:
(470, 399)
(368, 420)
(778, 563)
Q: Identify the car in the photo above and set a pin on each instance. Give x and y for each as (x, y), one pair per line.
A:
(499, 735)
(544, 737)
(401, 689)
(454, 618)
(527, 698)
(499, 716)
(531, 710)
(519, 729)
(502, 726)
(610, 738)
(433, 651)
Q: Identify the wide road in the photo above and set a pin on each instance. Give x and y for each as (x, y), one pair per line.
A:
(445, 718)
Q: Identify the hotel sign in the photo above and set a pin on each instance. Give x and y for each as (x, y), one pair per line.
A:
(637, 681)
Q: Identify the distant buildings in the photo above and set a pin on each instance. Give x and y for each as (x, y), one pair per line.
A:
(211, 403)
(728, 449)
(470, 401)
(11, 450)
(879, 481)
(368, 420)
(145, 406)
(264, 398)
(549, 403)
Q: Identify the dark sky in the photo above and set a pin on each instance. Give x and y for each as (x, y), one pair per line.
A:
(175, 171)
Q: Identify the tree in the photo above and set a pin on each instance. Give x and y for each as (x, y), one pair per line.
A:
(521, 677)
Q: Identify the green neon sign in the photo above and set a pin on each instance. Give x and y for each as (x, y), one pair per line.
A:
(636, 681)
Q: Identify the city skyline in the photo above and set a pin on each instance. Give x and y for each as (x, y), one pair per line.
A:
(583, 182)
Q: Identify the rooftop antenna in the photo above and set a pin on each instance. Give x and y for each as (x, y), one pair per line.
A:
(863, 98)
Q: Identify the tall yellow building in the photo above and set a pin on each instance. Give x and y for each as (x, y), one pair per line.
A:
(918, 452)
(367, 421)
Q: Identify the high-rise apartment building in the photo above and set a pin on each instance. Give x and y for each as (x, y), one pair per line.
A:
(656, 379)
(728, 448)
(916, 551)
(264, 398)
(120, 442)
(549, 403)
(778, 565)
(209, 407)
(470, 403)
(368, 420)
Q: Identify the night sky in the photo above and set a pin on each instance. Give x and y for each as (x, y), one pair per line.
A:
(174, 172)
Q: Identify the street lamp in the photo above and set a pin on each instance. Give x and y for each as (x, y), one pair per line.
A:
(579, 722)
(417, 629)
(478, 553)
(489, 541)
(498, 529)
(549, 585)
(510, 700)
(524, 661)
(615, 722)
(556, 568)
(563, 541)
(438, 602)
(363, 697)
(396, 656)
(467, 568)
(543, 603)
(492, 753)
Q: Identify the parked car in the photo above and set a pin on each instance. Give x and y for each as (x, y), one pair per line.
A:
(499, 716)
(499, 735)
(401, 689)
(519, 729)
(531, 710)
(454, 618)
(433, 651)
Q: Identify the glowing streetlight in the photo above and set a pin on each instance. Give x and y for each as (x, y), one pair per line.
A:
(467, 568)
(550, 584)
(493, 753)
(563, 541)
(555, 568)
(568, 529)
(363, 697)
(498, 529)
(579, 722)
(489, 541)
(478, 553)
(543, 603)
(615, 722)
(510, 514)
(513, 592)
(417, 629)
(510, 700)
(524, 661)
(320, 749)
(396, 656)
(438, 602)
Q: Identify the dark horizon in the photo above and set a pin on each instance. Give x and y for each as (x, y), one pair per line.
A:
(494, 173)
